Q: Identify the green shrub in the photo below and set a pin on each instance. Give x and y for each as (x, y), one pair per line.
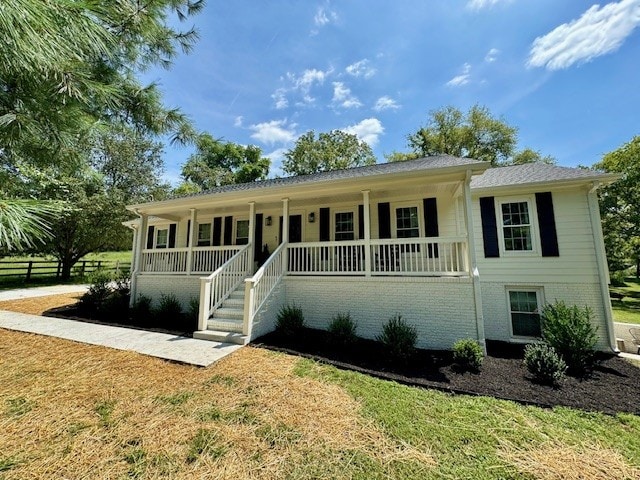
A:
(92, 303)
(193, 310)
(343, 328)
(467, 354)
(570, 332)
(618, 279)
(544, 363)
(169, 311)
(399, 338)
(290, 320)
(141, 311)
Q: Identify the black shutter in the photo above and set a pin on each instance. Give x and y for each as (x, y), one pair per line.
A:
(430, 212)
(325, 224)
(489, 227)
(547, 224)
(217, 231)
(257, 240)
(228, 230)
(150, 232)
(172, 235)
(384, 220)
(188, 231)
(360, 222)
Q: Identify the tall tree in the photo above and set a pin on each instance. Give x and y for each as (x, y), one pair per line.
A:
(217, 163)
(334, 150)
(620, 206)
(69, 66)
(476, 134)
(528, 155)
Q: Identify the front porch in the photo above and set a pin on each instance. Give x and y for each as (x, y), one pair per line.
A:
(242, 252)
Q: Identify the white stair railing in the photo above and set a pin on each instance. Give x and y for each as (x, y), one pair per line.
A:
(217, 287)
(259, 287)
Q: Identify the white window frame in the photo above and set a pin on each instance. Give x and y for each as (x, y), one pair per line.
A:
(418, 208)
(539, 291)
(335, 224)
(157, 230)
(197, 244)
(533, 226)
(235, 229)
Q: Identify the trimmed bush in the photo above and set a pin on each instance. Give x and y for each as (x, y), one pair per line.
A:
(544, 363)
(618, 279)
(141, 311)
(169, 311)
(570, 332)
(290, 320)
(399, 338)
(343, 328)
(467, 354)
(193, 310)
(93, 301)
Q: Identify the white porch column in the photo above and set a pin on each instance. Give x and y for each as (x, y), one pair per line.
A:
(285, 233)
(252, 233)
(192, 230)
(472, 262)
(140, 237)
(367, 233)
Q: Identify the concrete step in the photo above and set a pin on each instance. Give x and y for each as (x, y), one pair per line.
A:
(225, 324)
(233, 302)
(221, 336)
(237, 313)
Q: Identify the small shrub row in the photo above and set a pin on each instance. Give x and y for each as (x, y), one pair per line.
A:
(108, 295)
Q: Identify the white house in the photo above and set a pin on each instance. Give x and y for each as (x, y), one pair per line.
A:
(457, 248)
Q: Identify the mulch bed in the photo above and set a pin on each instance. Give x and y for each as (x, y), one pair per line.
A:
(612, 387)
(72, 313)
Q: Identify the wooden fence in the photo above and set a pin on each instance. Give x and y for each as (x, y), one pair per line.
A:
(32, 269)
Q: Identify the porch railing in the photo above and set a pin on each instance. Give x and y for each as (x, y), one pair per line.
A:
(217, 287)
(400, 257)
(176, 260)
(259, 287)
(164, 260)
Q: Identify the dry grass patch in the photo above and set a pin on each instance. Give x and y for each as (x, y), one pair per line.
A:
(557, 461)
(39, 305)
(77, 411)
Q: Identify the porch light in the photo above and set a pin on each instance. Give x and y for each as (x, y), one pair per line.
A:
(312, 217)
(267, 221)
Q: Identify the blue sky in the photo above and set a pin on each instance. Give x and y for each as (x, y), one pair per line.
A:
(565, 73)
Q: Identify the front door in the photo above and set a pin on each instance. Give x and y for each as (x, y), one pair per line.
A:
(295, 229)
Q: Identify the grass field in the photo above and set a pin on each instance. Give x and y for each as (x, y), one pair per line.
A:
(69, 410)
(627, 310)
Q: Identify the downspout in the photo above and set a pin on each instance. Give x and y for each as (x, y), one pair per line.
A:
(473, 263)
(601, 260)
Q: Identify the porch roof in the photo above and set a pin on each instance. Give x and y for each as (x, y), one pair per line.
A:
(435, 165)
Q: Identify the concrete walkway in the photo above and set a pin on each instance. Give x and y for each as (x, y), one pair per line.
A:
(622, 331)
(169, 347)
(20, 293)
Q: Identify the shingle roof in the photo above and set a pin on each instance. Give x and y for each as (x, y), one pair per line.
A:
(421, 164)
(531, 173)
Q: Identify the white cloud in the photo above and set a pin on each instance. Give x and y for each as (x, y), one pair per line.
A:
(275, 131)
(492, 55)
(361, 69)
(480, 4)
(280, 98)
(238, 121)
(276, 157)
(324, 16)
(385, 103)
(461, 79)
(343, 97)
(367, 130)
(597, 32)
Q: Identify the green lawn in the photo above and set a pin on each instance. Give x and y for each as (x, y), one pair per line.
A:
(627, 309)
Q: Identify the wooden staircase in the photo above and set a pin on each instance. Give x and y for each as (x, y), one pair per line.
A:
(226, 323)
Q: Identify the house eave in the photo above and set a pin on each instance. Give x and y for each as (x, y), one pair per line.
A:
(310, 188)
(603, 179)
